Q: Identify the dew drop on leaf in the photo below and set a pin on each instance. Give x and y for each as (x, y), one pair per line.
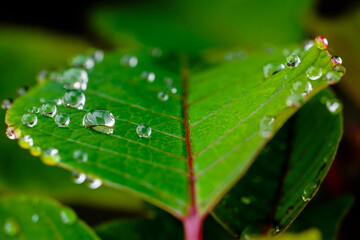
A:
(334, 106)
(340, 69)
(50, 156)
(6, 103)
(62, 120)
(129, 61)
(13, 132)
(22, 90)
(143, 131)
(294, 99)
(292, 61)
(34, 109)
(336, 60)
(314, 73)
(35, 218)
(48, 109)
(148, 76)
(309, 191)
(333, 77)
(80, 156)
(272, 68)
(11, 227)
(74, 78)
(266, 126)
(67, 215)
(35, 151)
(156, 52)
(93, 183)
(29, 119)
(173, 90)
(78, 177)
(99, 120)
(98, 56)
(26, 142)
(42, 75)
(321, 42)
(86, 62)
(308, 44)
(168, 81)
(162, 96)
(74, 99)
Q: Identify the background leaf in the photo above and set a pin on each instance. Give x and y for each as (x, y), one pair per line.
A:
(38, 218)
(223, 126)
(188, 26)
(23, 53)
(271, 194)
(327, 217)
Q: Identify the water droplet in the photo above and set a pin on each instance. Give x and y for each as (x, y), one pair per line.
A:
(98, 56)
(29, 119)
(67, 215)
(266, 126)
(41, 77)
(294, 99)
(156, 52)
(277, 229)
(35, 151)
(6, 103)
(292, 61)
(245, 200)
(34, 109)
(74, 78)
(35, 218)
(80, 156)
(314, 73)
(50, 156)
(93, 183)
(309, 191)
(334, 106)
(336, 60)
(321, 42)
(302, 87)
(340, 69)
(148, 76)
(308, 44)
(162, 96)
(62, 120)
(271, 69)
(22, 90)
(173, 90)
(13, 132)
(99, 120)
(128, 60)
(168, 81)
(74, 99)
(78, 177)
(333, 77)
(11, 227)
(143, 131)
(86, 62)
(48, 109)
(26, 142)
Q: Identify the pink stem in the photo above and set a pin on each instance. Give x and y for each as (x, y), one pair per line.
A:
(193, 227)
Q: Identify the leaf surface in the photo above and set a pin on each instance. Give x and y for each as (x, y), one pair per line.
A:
(204, 137)
(37, 218)
(23, 53)
(270, 195)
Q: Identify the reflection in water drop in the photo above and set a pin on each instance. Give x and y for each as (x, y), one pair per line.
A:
(162, 96)
(29, 119)
(292, 61)
(80, 156)
(99, 120)
(74, 99)
(11, 227)
(314, 73)
(321, 42)
(334, 106)
(6, 103)
(26, 142)
(78, 177)
(129, 60)
(309, 191)
(143, 131)
(68, 216)
(62, 120)
(13, 132)
(93, 183)
(48, 109)
(148, 76)
(266, 126)
(272, 68)
(50, 156)
(35, 151)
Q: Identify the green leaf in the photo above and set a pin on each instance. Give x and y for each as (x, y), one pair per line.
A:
(189, 26)
(271, 194)
(23, 53)
(204, 137)
(327, 217)
(39, 218)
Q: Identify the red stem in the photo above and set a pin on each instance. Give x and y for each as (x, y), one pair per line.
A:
(193, 227)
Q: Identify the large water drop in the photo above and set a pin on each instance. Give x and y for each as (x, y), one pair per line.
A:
(50, 156)
(29, 119)
(62, 120)
(74, 78)
(99, 120)
(143, 131)
(314, 73)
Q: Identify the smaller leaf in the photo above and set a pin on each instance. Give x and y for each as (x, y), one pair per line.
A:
(286, 175)
(327, 217)
(35, 218)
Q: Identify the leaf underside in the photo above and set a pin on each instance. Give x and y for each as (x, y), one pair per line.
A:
(223, 105)
(269, 196)
(38, 218)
